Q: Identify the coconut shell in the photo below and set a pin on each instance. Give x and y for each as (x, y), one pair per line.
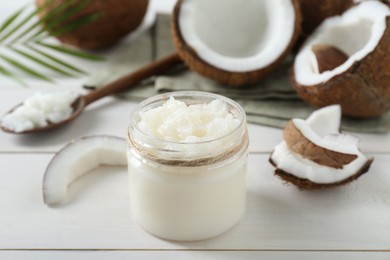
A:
(362, 91)
(330, 57)
(194, 62)
(305, 184)
(314, 12)
(117, 19)
(298, 143)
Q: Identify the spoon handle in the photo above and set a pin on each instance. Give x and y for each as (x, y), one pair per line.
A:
(133, 78)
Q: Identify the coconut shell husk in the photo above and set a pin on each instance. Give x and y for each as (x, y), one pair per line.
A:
(298, 143)
(191, 58)
(314, 12)
(117, 19)
(330, 57)
(362, 91)
(305, 184)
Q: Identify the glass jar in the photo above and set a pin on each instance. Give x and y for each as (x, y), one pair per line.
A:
(187, 191)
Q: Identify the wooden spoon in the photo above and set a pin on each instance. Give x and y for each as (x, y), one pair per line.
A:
(123, 83)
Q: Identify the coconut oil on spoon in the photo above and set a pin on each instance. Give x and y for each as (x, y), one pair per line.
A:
(80, 102)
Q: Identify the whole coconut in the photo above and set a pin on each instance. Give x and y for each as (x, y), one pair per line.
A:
(116, 19)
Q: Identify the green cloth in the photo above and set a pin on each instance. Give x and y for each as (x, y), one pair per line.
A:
(271, 102)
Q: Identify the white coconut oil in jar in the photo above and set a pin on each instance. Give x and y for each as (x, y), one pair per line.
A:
(187, 158)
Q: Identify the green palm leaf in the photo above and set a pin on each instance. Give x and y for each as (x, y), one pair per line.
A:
(23, 22)
(58, 16)
(9, 74)
(42, 62)
(24, 68)
(21, 32)
(74, 25)
(71, 51)
(56, 60)
(12, 18)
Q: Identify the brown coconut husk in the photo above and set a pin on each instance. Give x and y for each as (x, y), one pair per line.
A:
(330, 57)
(117, 19)
(190, 57)
(314, 12)
(305, 184)
(298, 143)
(362, 91)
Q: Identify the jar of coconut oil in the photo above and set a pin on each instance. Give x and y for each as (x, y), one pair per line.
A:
(187, 158)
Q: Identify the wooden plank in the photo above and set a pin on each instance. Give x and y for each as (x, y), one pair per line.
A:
(278, 217)
(188, 255)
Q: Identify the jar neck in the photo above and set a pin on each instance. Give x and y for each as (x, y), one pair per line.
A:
(189, 154)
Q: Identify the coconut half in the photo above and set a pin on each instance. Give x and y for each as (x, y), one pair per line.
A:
(78, 158)
(360, 84)
(232, 41)
(314, 154)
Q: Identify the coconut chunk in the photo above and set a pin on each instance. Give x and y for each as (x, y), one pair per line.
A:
(304, 141)
(76, 159)
(321, 159)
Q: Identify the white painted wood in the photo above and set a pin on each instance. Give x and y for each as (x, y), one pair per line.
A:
(278, 217)
(188, 255)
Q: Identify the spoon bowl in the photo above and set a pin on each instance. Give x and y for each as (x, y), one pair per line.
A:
(78, 106)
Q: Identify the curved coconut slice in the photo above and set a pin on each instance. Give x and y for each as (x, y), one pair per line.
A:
(320, 159)
(78, 158)
(234, 42)
(360, 84)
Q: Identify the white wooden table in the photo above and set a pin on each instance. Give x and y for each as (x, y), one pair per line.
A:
(281, 222)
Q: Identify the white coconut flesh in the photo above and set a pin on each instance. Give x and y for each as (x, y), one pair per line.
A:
(78, 158)
(325, 120)
(304, 168)
(357, 33)
(341, 143)
(236, 35)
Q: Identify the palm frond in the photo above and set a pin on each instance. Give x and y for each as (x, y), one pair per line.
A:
(58, 16)
(71, 51)
(22, 33)
(75, 24)
(24, 68)
(8, 22)
(41, 62)
(56, 60)
(9, 74)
